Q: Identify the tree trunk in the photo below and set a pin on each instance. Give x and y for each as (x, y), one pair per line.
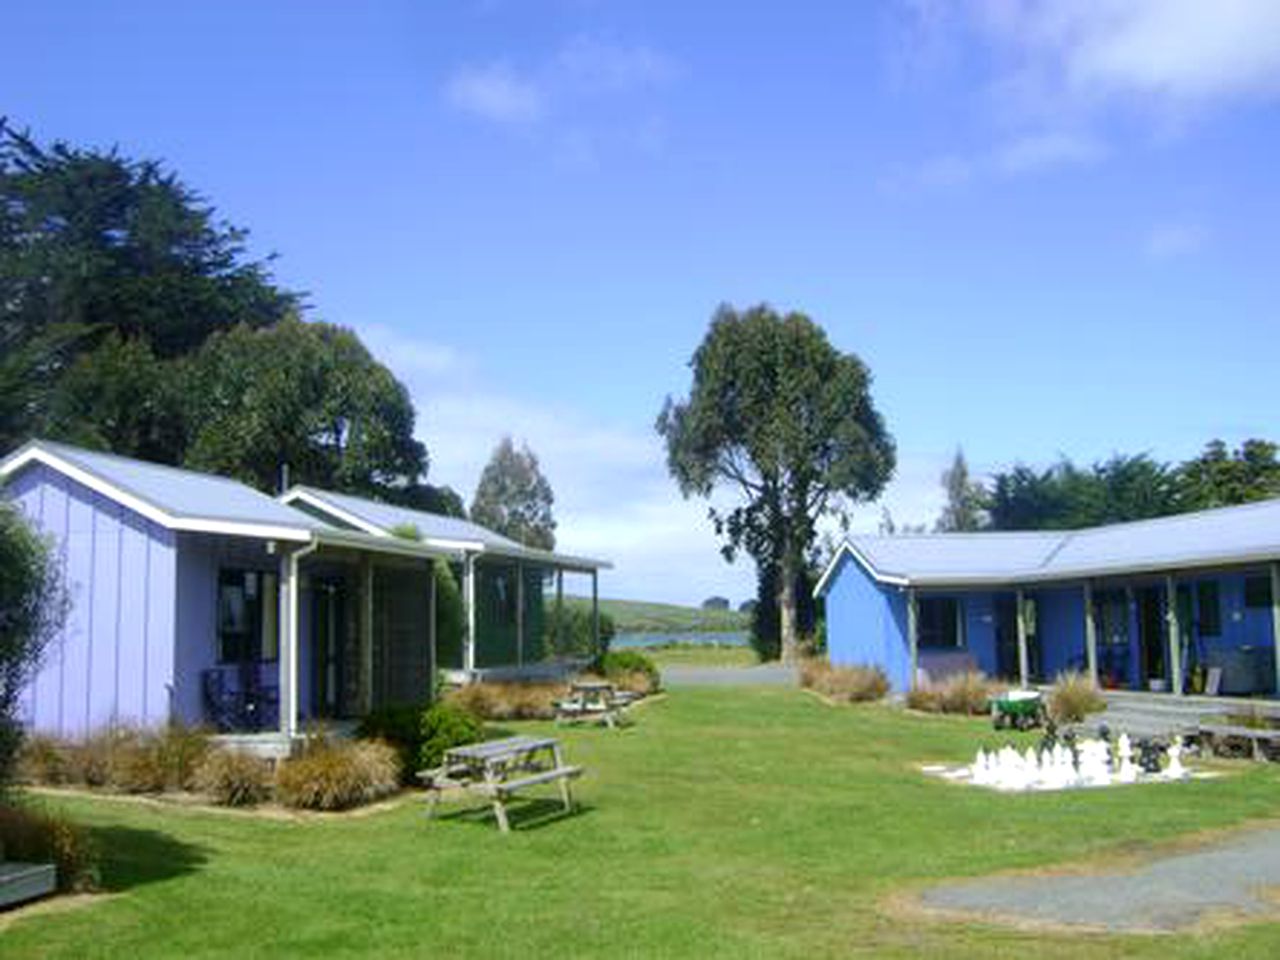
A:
(787, 608)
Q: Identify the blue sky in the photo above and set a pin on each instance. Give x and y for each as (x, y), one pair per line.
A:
(1048, 226)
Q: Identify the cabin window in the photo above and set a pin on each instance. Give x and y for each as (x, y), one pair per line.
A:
(248, 616)
(1210, 608)
(1257, 591)
(1113, 618)
(938, 624)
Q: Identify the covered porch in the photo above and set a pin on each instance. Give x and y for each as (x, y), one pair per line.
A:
(1209, 631)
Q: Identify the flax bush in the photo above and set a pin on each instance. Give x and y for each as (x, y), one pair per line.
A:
(233, 778)
(31, 836)
(846, 684)
(1073, 698)
(338, 775)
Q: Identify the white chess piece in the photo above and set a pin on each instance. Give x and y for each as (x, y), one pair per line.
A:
(1127, 772)
(1175, 770)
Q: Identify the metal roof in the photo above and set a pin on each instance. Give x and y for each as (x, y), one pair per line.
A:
(1221, 537)
(381, 519)
(175, 498)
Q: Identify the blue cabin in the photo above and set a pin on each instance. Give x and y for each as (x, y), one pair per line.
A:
(196, 598)
(1181, 604)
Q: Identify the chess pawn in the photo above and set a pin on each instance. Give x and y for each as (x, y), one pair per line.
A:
(1175, 770)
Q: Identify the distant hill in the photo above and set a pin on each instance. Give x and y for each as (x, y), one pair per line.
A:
(636, 616)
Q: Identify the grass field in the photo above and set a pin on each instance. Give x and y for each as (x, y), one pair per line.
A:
(725, 822)
(635, 616)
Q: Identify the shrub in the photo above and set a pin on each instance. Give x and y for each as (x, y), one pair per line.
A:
(849, 684)
(630, 670)
(964, 693)
(509, 701)
(401, 727)
(233, 778)
(34, 837)
(446, 725)
(147, 761)
(90, 761)
(568, 632)
(1073, 698)
(43, 760)
(338, 775)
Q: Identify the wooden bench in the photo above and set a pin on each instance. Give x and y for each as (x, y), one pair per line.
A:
(1255, 735)
(502, 791)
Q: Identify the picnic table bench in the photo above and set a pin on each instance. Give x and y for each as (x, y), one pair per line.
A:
(596, 700)
(499, 770)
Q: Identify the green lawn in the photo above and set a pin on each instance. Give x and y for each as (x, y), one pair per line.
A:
(754, 822)
(701, 655)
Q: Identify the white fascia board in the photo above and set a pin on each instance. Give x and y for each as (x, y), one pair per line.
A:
(561, 560)
(455, 546)
(324, 505)
(846, 547)
(95, 483)
(374, 544)
(146, 508)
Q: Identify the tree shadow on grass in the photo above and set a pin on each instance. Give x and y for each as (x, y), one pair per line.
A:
(531, 814)
(130, 857)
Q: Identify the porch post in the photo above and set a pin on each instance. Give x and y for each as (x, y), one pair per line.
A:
(1090, 633)
(595, 612)
(469, 600)
(288, 663)
(1275, 620)
(913, 632)
(1175, 638)
(366, 632)
(559, 610)
(519, 614)
(1024, 662)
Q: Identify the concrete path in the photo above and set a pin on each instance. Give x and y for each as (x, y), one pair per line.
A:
(1170, 893)
(767, 674)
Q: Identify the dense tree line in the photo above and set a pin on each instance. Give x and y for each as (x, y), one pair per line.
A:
(133, 319)
(1123, 487)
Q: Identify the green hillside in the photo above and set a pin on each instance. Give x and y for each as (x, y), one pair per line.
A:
(636, 616)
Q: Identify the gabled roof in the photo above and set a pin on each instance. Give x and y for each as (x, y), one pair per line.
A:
(452, 533)
(1221, 537)
(171, 497)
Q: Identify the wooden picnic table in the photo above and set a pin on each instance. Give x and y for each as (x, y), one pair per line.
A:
(592, 700)
(500, 769)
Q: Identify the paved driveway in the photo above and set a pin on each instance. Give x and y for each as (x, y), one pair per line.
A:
(1169, 893)
(766, 674)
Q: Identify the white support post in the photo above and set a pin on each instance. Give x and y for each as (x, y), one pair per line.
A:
(559, 610)
(1175, 636)
(366, 632)
(1024, 661)
(1090, 634)
(469, 600)
(289, 644)
(1275, 620)
(913, 640)
(595, 612)
(519, 614)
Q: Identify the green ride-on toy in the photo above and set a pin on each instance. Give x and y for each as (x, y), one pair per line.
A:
(1019, 709)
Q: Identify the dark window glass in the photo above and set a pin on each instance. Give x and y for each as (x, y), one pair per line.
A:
(1210, 608)
(248, 616)
(1257, 591)
(937, 623)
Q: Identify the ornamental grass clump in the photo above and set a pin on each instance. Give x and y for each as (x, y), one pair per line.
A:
(1073, 698)
(858, 684)
(32, 836)
(509, 701)
(233, 778)
(966, 693)
(338, 775)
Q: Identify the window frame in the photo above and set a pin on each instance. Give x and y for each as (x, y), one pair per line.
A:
(259, 640)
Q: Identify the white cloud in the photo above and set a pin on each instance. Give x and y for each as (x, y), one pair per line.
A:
(495, 92)
(595, 65)
(1041, 151)
(1171, 240)
(1167, 53)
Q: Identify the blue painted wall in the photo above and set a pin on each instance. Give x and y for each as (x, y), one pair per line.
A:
(1060, 630)
(114, 659)
(866, 623)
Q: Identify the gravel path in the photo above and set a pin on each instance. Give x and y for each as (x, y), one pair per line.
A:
(768, 674)
(1170, 893)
